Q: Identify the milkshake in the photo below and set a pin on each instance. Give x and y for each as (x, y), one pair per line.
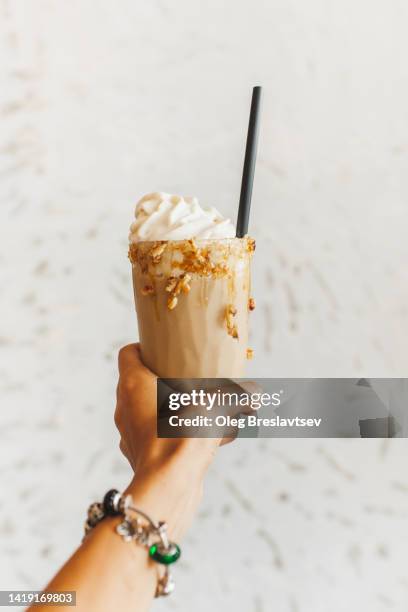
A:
(191, 279)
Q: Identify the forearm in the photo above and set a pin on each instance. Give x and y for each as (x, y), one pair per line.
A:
(108, 573)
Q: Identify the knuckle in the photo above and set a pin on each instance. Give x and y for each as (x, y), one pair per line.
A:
(127, 384)
(124, 355)
(122, 352)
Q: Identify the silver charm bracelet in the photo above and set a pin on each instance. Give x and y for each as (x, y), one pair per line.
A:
(137, 526)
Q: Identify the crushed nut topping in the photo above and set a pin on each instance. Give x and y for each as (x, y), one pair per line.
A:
(251, 304)
(208, 259)
(172, 302)
(230, 313)
(148, 290)
(145, 258)
(180, 260)
(185, 283)
(175, 286)
(251, 244)
(171, 283)
(157, 251)
(249, 353)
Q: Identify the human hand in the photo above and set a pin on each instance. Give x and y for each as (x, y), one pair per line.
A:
(168, 472)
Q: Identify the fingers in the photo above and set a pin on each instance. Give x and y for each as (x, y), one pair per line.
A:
(248, 387)
(130, 360)
(235, 391)
(136, 391)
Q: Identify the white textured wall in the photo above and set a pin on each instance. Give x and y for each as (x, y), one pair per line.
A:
(103, 101)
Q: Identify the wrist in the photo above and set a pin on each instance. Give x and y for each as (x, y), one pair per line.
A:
(166, 497)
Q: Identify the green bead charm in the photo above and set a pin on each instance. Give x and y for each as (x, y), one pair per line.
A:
(162, 555)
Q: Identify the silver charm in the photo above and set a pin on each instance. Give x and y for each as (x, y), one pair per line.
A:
(95, 514)
(124, 504)
(165, 585)
(141, 529)
(130, 530)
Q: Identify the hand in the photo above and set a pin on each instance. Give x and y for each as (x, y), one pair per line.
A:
(109, 574)
(168, 472)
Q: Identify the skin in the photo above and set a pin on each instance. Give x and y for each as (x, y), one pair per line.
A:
(106, 572)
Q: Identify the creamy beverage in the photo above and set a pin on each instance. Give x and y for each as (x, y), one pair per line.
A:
(191, 280)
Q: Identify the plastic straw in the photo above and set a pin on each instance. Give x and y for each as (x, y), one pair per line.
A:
(249, 164)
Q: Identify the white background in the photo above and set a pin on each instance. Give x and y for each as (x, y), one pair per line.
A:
(103, 101)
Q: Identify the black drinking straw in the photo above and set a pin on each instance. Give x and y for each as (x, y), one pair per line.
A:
(249, 164)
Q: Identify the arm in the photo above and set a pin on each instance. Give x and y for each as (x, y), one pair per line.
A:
(106, 572)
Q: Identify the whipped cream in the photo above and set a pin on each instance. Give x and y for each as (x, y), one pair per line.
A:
(162, 216)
